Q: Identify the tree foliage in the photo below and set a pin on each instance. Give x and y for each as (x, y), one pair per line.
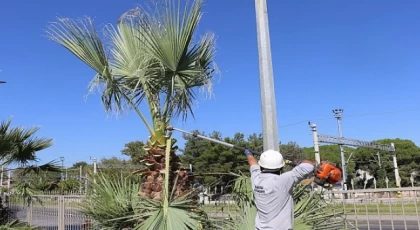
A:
(135, 151)
(208, 158)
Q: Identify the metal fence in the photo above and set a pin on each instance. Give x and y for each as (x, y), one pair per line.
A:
(370, 209)
(49, 211)
(389, 208)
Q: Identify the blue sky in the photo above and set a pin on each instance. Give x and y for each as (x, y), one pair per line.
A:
(362, 56)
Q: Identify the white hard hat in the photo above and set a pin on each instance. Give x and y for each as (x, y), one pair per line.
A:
(271, 159)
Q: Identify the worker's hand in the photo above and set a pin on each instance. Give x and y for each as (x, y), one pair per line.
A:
(307, 181)
(293, 163)
(247, 152)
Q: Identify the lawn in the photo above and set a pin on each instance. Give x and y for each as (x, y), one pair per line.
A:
(378, 209)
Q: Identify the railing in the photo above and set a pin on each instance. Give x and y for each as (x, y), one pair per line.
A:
(49, 211)
(389, 208)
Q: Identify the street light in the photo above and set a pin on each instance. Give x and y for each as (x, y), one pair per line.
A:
(2, 82)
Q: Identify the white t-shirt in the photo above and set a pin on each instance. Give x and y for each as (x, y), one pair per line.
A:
(273, 196)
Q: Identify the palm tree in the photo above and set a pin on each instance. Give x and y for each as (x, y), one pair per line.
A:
(19, 146)
(149, 57)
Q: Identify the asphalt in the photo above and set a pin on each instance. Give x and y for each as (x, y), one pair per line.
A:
(47, 219)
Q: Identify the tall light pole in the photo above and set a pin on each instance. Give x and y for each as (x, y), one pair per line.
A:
(2, 82)
(338, 113)
(268, 100)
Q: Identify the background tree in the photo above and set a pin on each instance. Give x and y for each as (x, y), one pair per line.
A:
(78, 164)
(292, 151)
(134, 150)
(408, 161)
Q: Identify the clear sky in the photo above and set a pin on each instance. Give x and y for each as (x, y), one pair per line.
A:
(361, 56)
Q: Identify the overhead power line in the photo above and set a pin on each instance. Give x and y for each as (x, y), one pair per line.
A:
(350, 116)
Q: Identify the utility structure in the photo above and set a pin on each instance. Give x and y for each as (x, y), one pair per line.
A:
(2, 82)
(319, 138)
(268, 100)
(338, 113)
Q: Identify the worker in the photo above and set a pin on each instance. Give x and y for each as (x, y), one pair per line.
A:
(273, 190)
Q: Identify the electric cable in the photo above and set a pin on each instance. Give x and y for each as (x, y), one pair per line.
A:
(349, 116)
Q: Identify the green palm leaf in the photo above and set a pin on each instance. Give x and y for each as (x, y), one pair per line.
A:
(19, 145)
(111, 200)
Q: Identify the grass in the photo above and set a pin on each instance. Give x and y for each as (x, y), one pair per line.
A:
(378, 209)
(350, 209)
(232, 209)
(220, 208)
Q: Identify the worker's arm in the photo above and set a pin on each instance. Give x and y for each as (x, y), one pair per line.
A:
(307, 162)
(250, 158)
(304, 169)
(254, 168)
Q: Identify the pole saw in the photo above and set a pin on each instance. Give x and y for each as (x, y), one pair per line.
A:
(326, 174)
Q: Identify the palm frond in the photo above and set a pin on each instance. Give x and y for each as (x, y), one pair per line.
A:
(18, 145)
(111, 201)
(52, 166)
(168, 35)
(16, 225)
(81, 38)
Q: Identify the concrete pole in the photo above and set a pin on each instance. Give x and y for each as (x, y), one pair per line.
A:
(80, 178)
(9, 175)
(379, 159)
(2, 175)
(62, 167)
(397, 174)
(86, 182)
(338, 113)
(94, 170)
(268, 100)
(316, 144)
(94, 166)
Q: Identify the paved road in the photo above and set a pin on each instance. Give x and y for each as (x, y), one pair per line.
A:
(386, 225)
(384, 222)
(47, 218)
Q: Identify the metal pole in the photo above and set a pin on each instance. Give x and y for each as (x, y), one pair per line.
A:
(338, 113)
(316, 144)
(268, 100)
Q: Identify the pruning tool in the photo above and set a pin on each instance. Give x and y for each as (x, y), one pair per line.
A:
(195, 134)
(326, 174)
